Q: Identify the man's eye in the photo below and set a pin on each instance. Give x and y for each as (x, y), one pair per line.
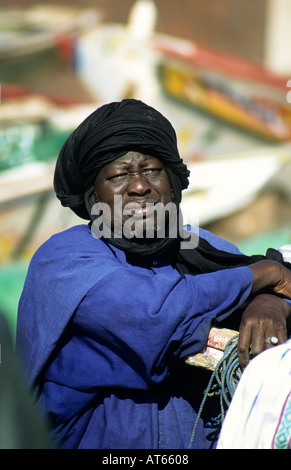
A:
(151, 171)
(147, 172)
(118, 177)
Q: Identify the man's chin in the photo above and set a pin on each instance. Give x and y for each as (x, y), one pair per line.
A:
(144, 231)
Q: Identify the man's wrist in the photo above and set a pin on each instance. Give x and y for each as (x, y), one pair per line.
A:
(266, 274)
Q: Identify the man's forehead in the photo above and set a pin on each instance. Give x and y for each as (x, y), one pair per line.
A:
(134, 157)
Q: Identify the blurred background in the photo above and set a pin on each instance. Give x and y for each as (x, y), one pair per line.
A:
(219, 70)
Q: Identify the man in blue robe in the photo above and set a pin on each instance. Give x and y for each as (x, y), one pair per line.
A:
(110, 310)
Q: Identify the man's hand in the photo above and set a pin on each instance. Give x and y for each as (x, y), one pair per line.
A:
(266, 316)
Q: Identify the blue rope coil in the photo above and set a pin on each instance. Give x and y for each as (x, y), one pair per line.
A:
(223, 382)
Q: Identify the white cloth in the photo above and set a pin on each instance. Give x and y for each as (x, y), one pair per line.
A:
(259, 416)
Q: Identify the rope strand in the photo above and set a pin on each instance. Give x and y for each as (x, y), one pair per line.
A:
(223, 382)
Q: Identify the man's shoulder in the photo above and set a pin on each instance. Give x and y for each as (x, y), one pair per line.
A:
(75, 232)
(70, 235)
(76, 239)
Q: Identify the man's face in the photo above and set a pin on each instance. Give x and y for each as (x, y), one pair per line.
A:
(138, 182)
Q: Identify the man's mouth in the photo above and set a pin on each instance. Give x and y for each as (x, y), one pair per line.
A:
(140, 209)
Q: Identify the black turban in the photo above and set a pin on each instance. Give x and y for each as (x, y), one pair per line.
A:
(107, 134)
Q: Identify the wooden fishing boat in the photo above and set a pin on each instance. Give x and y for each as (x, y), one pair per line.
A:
(32, 31)
(232, 118)
(228, 164)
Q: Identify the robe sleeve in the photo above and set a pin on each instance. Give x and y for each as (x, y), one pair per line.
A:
(131, 323)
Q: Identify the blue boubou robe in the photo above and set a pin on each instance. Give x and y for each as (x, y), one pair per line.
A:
(103, 341)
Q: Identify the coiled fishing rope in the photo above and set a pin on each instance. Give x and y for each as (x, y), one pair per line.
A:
(223, 382)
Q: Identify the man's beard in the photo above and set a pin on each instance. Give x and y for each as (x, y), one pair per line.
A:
(142, 230)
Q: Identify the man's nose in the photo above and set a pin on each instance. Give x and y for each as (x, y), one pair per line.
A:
(138, 185)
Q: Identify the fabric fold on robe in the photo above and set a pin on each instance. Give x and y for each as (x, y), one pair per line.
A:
(56, 285)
